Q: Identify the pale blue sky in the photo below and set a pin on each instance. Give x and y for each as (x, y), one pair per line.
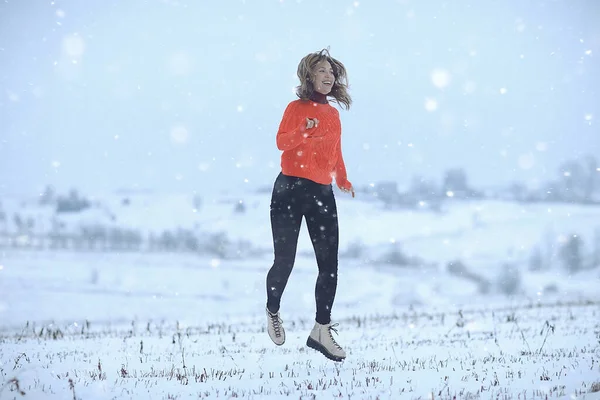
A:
(188, 95)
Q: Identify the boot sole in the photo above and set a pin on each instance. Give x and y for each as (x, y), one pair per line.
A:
(313, 344)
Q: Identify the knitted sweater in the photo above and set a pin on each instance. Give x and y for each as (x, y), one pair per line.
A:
(315, 153)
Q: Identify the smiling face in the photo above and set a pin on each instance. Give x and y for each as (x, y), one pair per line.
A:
(323, 77)
(318, 72)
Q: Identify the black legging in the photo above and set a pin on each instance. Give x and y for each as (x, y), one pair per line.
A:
(292, 199)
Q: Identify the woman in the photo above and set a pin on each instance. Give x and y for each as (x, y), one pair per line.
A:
(310, 137)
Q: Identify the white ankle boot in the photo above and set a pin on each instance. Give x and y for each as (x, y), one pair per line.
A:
(321, 339)
(275, 328)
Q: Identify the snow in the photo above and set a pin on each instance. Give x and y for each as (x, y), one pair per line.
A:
(154, 325)
(440, 78)
(431, 104)
(185, 310)
(160, 295)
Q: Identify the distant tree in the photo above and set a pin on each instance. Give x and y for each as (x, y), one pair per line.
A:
(94, 236)
(3, 221)
(596, 249)
(459, 269)
(197, 202)
(509, 279)
(518, 191)
(19, 223)
(167, 241)
(396, 256)
(571, 254)
(536, 261)
(48, 196)
(218, 245)
(455, 180)
(30, 224)
(187, 240)
(116, 238)
(573, 181)
(355, 249)
(58, 236)
(240, 207)
(552, 191)
(71, 203)
(592, 178)
(549, 248)
(153, 242)
(132, 239)
(387, 192)
(424, 188)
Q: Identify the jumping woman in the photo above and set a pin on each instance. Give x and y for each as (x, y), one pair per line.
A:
(309, 136)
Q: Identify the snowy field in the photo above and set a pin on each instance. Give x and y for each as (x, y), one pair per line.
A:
(137, 325)
(148, 327)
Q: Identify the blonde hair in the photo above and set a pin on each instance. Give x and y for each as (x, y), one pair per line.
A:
(306, 71)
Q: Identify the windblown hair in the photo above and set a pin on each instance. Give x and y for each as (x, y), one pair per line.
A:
(306, 72)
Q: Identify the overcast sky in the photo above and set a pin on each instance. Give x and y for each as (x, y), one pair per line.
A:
(188, 95)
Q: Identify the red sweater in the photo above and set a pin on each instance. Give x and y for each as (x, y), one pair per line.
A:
(315, 153)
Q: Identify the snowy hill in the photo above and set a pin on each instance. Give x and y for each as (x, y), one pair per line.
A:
(489, 245)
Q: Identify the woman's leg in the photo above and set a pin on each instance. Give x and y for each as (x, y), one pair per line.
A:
(322, 223)
(286, 218)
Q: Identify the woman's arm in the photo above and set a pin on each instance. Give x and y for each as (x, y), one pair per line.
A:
(292, 129)
(340, 175)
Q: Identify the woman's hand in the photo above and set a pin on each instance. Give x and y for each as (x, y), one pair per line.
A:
(347, 188)
(311, 123)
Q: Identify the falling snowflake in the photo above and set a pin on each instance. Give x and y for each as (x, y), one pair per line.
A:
(526, 161)
(431, 105)
(541, 146)
(179, 64)
(12, 96)
(73, 46)
(440, 78)
(470, 87)
(179, 134)
(520, 25)
(203, 167)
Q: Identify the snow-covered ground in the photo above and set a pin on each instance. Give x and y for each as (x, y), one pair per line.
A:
(174, 327)
(98, 325)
